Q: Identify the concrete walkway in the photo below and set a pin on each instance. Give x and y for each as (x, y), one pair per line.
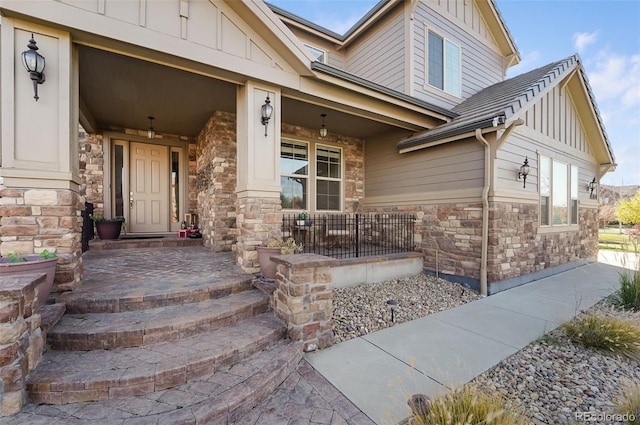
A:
(378, 372)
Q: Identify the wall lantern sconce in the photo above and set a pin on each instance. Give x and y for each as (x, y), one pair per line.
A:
(323, 128)
(151, 133)
(266, 111)
(592, 189)
(34, 64)
(524, 172)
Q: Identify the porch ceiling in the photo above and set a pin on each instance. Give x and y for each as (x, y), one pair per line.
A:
(120, 92)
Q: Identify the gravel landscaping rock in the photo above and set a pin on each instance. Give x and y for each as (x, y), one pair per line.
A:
(362, 309)
(552, 379)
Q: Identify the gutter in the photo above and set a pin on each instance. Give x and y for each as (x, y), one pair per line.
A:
(488, 166)
(488, 180)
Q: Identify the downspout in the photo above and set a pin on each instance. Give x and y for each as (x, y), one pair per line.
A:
(485, 210)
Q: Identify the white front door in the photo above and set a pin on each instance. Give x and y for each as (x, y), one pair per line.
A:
(149, 188)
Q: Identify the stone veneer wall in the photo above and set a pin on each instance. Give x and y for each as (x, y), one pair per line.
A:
(450, 236)
(215, 182)
(92, 170)
(32, 220)
(516, 248)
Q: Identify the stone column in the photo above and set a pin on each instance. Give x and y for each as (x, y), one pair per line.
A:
(303, 298)
(40, 205)
(258, 206)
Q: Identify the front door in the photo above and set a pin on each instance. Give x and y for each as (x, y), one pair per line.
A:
(149, 188)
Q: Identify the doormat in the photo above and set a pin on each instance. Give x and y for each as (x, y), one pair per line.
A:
(141, 237)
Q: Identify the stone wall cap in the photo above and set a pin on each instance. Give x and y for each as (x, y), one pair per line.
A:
(15, 285)
(305, 260)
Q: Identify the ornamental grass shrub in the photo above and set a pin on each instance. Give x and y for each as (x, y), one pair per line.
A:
(628, 296)
(613, 334)
(628, 404)
(468, 405)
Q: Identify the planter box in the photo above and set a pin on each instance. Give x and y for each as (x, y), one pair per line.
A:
(267, 267)
(34, 264)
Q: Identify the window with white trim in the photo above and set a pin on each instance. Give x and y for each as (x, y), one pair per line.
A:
(443, 64)
(319, 54)
(311, 176)
(558, 185)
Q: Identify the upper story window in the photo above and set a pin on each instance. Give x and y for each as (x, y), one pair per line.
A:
(443, 64)
(320, 55)
(558, 193)
(310, 176)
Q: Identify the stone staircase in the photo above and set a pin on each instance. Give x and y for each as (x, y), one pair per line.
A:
(185, 340)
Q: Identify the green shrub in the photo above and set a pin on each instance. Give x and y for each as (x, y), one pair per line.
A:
(470, 406)
(629, 403)
(604, 333)
(628, 296)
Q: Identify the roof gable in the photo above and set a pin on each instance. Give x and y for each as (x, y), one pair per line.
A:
(499, 105)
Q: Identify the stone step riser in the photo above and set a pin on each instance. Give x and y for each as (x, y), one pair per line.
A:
(153, 301)
(152, 335)
(65, 391)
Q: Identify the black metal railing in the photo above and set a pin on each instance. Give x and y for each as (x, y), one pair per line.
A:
(351, 235)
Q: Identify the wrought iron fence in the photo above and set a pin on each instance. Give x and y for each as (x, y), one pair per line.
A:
(351, 235)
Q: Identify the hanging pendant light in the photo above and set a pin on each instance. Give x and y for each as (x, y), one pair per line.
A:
(323, 128)
(151, 134)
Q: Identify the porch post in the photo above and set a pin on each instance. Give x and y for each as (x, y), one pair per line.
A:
(258, 205)
(40, 207)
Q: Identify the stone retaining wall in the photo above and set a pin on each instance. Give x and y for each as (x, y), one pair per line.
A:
(303, 298)
(21, 339)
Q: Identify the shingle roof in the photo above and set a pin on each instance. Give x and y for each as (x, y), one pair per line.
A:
(495, 104)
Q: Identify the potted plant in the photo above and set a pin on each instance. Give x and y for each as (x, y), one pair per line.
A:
(275, 247)
(45, 262)
(303, 219)
(108, 228)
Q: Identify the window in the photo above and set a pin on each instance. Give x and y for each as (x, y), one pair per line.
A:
(320, 55)
(328, 169)
(558, 187)
(294, 168)
(443, 64)
(304, 179)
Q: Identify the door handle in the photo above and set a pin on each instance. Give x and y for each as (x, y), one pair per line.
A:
(130, 199)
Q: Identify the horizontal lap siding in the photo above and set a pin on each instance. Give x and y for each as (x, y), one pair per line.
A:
(379, 55)
(453, 166)
(481, 63)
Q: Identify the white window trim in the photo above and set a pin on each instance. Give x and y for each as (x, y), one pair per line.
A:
(325, 54)
(312, 175)
(428, 86)
(551, 228)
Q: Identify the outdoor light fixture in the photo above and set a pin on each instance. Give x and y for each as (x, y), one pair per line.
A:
(592, 189)
(524, 172)
(151, 133)
(393, 304)
(323, 129)
(34, 64)
(266, 111)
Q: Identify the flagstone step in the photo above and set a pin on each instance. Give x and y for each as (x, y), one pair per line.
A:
(64, 377)
(215, 398)
(144, 297)
(94, 331)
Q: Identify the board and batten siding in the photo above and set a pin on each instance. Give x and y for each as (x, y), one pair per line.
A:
(552, 128)
(450, 167)
(378, 55)
(211, 24)
(481, 62)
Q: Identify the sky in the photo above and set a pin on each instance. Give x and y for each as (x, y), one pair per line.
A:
(605, 33)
